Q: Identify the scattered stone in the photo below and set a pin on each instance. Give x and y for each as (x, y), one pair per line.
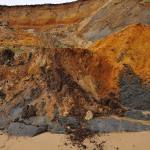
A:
(89, 115)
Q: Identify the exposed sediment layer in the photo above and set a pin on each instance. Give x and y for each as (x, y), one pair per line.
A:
(43, 73)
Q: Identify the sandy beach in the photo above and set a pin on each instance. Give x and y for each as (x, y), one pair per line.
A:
(47, 141)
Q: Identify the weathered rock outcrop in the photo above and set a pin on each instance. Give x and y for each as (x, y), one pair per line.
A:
(75, 24)
(54, 75)
(129, 51)
(70, 82)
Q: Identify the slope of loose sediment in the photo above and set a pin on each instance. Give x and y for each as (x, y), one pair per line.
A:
(72, 25)
(113, 16)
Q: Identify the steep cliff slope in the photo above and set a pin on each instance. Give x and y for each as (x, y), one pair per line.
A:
(130, 46)
(70, 78)
(75, 24)
(129, 50)
(115, 15)
(52, 67)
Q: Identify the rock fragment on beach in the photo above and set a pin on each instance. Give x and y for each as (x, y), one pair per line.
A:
(89, 115)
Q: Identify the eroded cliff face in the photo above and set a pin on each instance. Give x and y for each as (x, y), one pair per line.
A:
(129, 46)
(72, 79)
(114, 16)
(52, 25)
(129, 51)
(52, 65)
(48, 15)
(56, 80)
(76, 24)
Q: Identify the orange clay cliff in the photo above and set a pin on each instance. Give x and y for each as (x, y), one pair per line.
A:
(59, 61)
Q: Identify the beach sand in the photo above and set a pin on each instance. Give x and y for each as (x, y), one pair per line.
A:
(48, 141)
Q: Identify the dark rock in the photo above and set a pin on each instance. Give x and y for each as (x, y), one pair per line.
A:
(68, 121)
(20, 129)
(35, 92)
(137, 114)
(133, 93)
(30, 56)
(58, 126)
(4, 122)
(104, 125)
(28, 111)
(6, 56)
(55, 127)
(37, 121)
(53, 80)
(2, 95)
(16, 113)
(130, 126)
(115, 125)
